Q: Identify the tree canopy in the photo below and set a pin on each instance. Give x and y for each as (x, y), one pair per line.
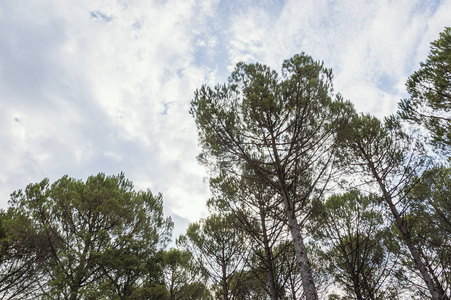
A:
(430, 93)
(282, 128)
(99, 236)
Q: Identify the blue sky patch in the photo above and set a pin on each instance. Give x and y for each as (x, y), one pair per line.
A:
(97, 15)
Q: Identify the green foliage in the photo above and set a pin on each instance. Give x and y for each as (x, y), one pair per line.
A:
(430, 93)
(260, 215)
(20, 259)
(355, 245)
(390, 163)
(269, 125)
(430, 221)
(195, 291)
(247, 286)
(287, 271)
(282, 129)
(100, 235)
(380, 147)
(184, 279)
(219, 248)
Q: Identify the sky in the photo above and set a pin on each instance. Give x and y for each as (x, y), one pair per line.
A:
(89, 86)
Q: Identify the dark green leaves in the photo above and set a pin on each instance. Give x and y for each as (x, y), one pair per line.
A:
(99, 237)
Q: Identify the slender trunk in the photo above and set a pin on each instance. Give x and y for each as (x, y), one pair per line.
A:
(421, 266)
(268, 257)
(350, 266)
(75, 285)
(434, 277)
(225, 290)
(300, 251)
(298, 242)
(77, 280)
(371, 292)
(171, 288)
(357, 292)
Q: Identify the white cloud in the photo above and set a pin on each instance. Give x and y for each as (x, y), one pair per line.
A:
(95, 93)
(371, 45)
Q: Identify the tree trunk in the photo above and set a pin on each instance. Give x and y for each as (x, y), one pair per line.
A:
(350, 266)
(268, 257)
(171, 289)
(76, 281)
(300, 251)
(225, 290)
(421, 266)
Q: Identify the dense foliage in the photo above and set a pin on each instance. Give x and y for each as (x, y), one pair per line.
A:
(84, 240)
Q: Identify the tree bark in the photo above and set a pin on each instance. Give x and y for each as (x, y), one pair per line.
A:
(350, 266)
(300, 251)
(225, 290)
(268, 257)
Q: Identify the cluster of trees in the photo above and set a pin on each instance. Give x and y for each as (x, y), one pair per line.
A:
(97, 239)
(310, 200)
(359, 206)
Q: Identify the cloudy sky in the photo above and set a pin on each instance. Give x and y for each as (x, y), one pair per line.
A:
(89, 86)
